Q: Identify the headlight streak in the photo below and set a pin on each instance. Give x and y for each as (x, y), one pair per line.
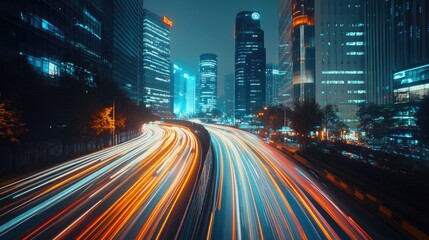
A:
(110, 193)
(275, 193)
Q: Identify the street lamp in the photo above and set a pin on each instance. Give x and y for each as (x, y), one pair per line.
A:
(113, 117)
(284, 126)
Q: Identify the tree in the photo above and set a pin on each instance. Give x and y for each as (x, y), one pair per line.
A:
(378, 121)
(11, 126)
(331, 121)
(422, 116)
(306, 116)
(103, 122)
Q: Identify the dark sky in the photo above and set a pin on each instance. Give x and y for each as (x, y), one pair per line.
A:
(207, 26)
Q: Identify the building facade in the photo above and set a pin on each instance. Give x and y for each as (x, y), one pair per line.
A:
(229, 81)
(156, 63)
(208, 83)
(250, 61)
(340, 56)
(58, 39)
(303, 50)
(191, 100)
(127, 47)
(285, 52)
(273, 77)
(179, 78)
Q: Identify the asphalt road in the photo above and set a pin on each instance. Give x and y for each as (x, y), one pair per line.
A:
(260, 194)
(139, 189)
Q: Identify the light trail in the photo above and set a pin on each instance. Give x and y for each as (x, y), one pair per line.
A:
(270, 197)
(139, 189)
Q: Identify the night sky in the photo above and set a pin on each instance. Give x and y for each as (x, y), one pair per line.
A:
(207, 26)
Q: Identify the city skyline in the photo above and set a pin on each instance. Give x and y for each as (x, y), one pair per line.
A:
(209, 27)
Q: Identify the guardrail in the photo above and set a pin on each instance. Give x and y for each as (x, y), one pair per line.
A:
(393, 218)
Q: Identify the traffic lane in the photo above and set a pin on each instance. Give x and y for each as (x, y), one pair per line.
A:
(77, 205)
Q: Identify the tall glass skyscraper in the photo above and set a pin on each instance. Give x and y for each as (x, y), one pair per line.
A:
(179, 78)
(285, 52)
(340, 56)
(303, 50)
(208, 83)
(273, 77)
(250, 63)
(56, 37)
(156, 63)
(191, 100)
(229, 94)
(127, 47)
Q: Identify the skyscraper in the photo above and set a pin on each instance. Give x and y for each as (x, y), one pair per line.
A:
(56, 41)
(208, 82)
(273, 76)
(379, 51)
(303, 50)
(156, 63)
(127, 47)
(190, 95)
(285, 52)
(229, 94)
(340, 56)
(249, 64)
(179, 79)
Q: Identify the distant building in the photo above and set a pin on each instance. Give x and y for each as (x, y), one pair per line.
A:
(229, 82)
(190, 95)
(340, 56)
(208, 83)
(285, 52)
(303, 50)
(179, 78)
(273, 77)
(156, 63)
(250, 63)
(57, 41)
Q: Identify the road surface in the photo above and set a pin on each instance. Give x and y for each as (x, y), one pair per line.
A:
(139, 189)
(261, 194)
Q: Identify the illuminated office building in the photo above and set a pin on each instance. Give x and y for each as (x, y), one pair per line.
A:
(273, 77)
(229, 94)
(156, 63)
(208, 83)
(179, 78)
(190, 95)
(340, 56)
(56, 37)
(285, 52)
(303, 50)
(250, 63)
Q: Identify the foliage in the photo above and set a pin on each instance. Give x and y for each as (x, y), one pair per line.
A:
(422, 117)
(273, 117)
(331, 121)
(377, 121)
(306, 117)
(11, 125)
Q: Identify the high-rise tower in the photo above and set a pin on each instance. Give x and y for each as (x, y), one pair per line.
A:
(249, 64)
(303, 50)
(156, 63)
(208, 83)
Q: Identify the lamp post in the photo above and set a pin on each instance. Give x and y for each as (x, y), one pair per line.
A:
(284, 126)
(113, 117)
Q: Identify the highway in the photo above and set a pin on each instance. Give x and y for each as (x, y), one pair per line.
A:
(140, 189)
(260, 194)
